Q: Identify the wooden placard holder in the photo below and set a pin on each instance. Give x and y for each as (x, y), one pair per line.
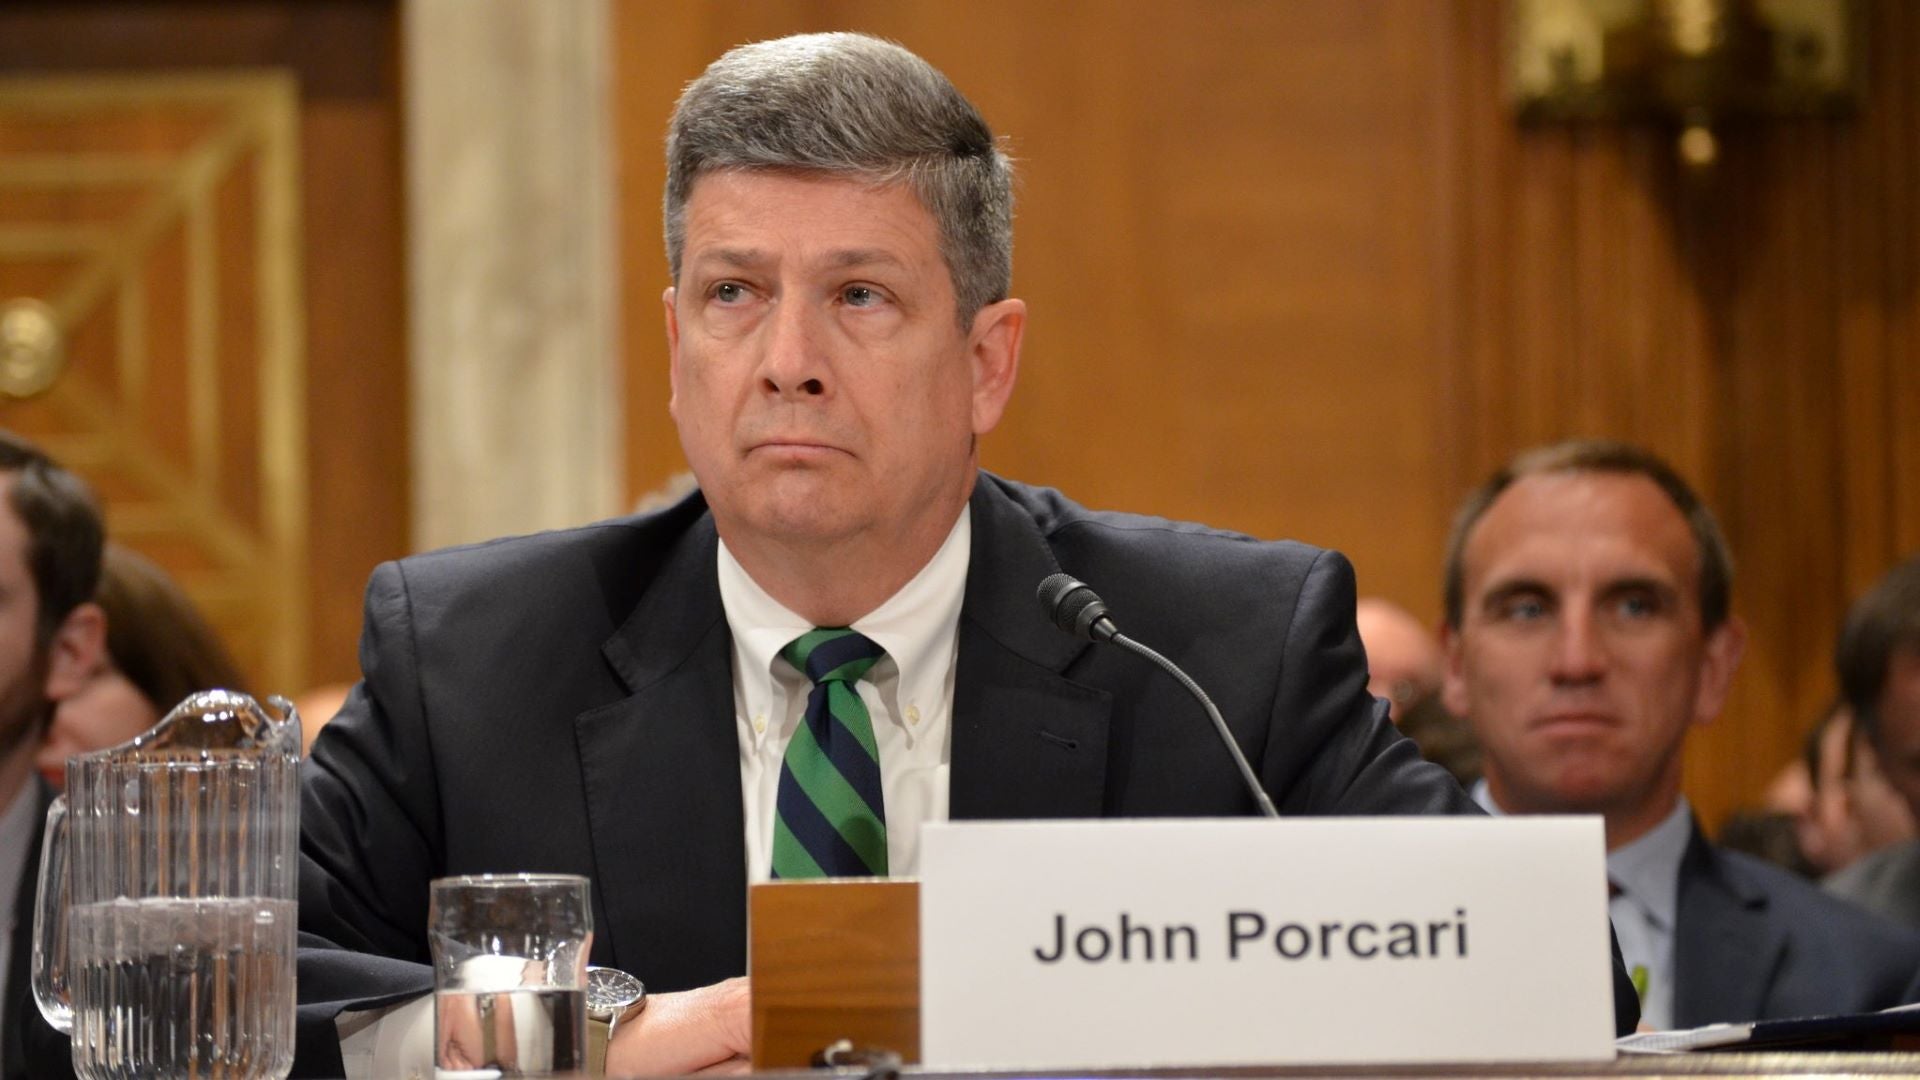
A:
(834, 960)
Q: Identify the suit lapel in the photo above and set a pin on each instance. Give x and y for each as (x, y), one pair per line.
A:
(661, 771)
(1726, 944)
(1027, 742)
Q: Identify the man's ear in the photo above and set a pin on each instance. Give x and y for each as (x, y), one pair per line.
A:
(994, 352)
(77, 652)
(1718, 661)
(673, 348)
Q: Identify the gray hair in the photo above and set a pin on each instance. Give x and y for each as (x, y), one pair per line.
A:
(859, 106)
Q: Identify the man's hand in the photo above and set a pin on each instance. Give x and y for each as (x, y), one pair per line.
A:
(704, 1030)
(475, 1032)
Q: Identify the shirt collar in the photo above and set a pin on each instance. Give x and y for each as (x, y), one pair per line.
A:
(916, 625)
(1648, 869)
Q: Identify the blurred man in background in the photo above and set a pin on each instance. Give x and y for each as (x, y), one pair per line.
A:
(1849, 810)
(1403, 657)
(52, 637)
(160, 649)
(1588, 630)
(1403, 669)
(1878, 658)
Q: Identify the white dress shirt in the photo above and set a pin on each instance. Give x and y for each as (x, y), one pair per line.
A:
(908, 694)
(1647, 873)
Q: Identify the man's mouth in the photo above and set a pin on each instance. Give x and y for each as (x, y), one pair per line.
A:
(1574, 720)
(797, 449)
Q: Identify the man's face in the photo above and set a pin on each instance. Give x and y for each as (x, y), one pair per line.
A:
(23, 663)
(1899, 725)
(107, 710)
(1403, 659)
(1879, 809)
(1580, 655)
(822, 385)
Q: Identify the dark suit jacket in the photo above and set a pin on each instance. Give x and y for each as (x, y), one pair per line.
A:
(17, 996)
(563, 703)
(1753, 942)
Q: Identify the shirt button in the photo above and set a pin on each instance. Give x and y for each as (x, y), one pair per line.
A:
(913, 714)
(760, 724)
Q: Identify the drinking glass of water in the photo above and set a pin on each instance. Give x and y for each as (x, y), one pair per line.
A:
(510, 975)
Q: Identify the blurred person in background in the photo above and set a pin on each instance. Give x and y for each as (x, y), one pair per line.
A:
(1443, 738)
(1403, 657)
(1850, 810)
(1878, 662)
(1884, 818)
(1790, 792)
(1770, 835)
(159, 650)
(52, 635)
(1404, 665)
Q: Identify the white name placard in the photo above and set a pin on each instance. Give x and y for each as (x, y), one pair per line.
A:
(1303, 941)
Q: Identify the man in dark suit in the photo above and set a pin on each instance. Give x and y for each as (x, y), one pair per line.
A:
(1587, 631)
(52, 637)
(635, 701)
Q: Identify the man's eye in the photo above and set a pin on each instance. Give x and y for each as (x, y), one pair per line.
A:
(860, 296)
(729, 292)
(1522, 609)
(1637, 605)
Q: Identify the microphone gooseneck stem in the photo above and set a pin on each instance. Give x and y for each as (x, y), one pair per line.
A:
(1213, 713)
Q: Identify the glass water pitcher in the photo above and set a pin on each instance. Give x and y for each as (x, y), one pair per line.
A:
(164, 936)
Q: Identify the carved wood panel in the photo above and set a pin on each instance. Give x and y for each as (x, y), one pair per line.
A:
(150, 224)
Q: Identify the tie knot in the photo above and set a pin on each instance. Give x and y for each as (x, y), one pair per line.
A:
(832, 654)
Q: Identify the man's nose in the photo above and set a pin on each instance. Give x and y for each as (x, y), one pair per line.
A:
(794, 363)
(1579, 655)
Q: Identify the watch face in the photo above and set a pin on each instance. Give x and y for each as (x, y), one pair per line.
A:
(610, 991)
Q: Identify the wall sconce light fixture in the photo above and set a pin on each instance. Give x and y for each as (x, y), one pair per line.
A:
(1690, 64)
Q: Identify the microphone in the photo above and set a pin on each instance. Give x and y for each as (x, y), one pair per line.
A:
(1077, 610)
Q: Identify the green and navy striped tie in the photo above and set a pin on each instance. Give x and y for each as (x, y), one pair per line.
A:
(830, 819)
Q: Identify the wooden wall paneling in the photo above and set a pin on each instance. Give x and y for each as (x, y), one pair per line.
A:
(1084, 367)
(1816, 255)
(1864, 218)
(1770, 278)
(234, 225)
(1475, 278)
(344, 53)
(1899, 135)
(1747, 327)
(653, 48)
(357, 349)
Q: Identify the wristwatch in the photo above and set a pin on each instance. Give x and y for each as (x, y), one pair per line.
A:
(613, 998)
